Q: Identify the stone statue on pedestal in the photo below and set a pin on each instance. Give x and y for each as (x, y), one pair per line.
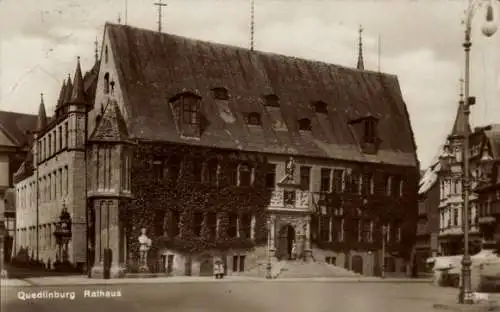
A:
(144, 245)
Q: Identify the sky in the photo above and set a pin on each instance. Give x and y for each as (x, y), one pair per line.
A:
(419, 41)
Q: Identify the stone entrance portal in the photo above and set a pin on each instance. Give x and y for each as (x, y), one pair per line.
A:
(286, 240)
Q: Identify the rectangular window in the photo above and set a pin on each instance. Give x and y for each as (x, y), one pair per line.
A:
(232, 174)
(212, 224)
(66, 134)
(324, 228)
(60, 135)
(245, 175)
(49, 186)
(191, 108)
(174, 228)
(66, 178)
(325, 180)
(246, 225)
(271, 176)
(305, 178)
(60, 182)
(197, 170)
(395, 185)
(197, 223)
(211, 171)
(338, 180)
(50, 145)
(174, 168)
(232, 225)
(158, 169)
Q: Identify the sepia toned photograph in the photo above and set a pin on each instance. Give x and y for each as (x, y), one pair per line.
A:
(249, 155)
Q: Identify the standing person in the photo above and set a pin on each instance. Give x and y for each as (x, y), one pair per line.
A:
(294, 250)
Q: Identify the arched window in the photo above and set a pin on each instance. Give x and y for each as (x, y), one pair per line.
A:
(253, 119)
(305, 124)
(106, 83)
(320, 107)
(220, 93)
(271, 100)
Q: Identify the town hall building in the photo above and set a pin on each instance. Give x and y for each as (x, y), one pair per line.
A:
(221, 152)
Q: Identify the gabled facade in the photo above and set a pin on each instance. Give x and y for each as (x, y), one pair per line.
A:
(223, 152)
(53, 176)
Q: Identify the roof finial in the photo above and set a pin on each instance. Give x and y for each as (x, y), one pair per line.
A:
(41, 98)
(360, 49)
(252, 25)
(96, 51)
(119, 18)
(160, 6)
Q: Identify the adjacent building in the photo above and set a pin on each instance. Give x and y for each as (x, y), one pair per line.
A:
(15, 140)
(52, 177)
(488, 188)
(451, 204)
(223, 152)
(428, 217)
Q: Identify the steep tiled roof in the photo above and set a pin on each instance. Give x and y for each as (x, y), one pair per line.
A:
(17, 125)
(111, 127)
(154, 67)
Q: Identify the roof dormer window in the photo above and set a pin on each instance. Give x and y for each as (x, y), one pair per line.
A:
(253, 119)
(370, 134)
(305, 124)
(186, 108)
(271, 100)
(320, 107)
(220, 93)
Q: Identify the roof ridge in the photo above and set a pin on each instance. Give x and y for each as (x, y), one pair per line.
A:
(197, 40)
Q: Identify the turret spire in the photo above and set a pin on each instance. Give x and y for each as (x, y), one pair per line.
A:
(360, 64)
(60, 99)
(42, 116)
(68, 91)
(78, 92)
(459, 126)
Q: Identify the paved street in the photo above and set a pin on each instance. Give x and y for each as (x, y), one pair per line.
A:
(236, 296)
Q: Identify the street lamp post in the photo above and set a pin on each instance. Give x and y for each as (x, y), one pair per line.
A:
(268, 266)
(382, 268)
(488, 30)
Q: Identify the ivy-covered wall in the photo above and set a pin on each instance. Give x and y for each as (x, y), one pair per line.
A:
(379, 208)
(154, 199)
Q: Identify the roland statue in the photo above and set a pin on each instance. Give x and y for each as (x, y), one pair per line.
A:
(144, 246)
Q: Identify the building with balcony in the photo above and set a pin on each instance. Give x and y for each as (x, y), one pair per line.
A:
(488, 188)
(52, 176)
(15, 137)
(223, 152)
(451, 211)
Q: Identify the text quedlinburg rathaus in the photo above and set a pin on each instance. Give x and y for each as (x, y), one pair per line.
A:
(71, 295)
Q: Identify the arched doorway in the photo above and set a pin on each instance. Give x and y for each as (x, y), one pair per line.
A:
(357, 264)
(207, 267)
(286, 239)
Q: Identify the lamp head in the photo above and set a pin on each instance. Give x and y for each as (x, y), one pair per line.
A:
(489, 28)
